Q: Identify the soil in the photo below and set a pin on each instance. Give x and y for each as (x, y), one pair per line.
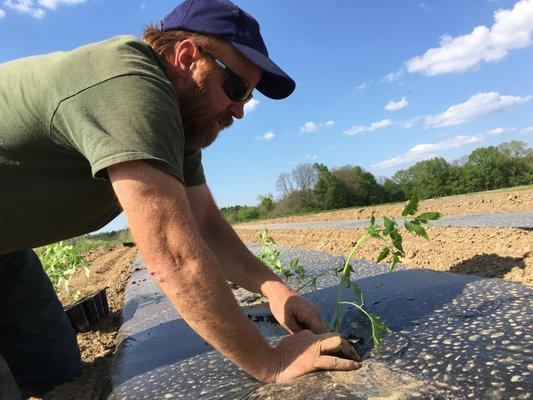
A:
(110, 268)
(374, 381)
(490, 252)
(507, 200)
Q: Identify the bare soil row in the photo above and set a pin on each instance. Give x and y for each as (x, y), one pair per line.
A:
(505, 253)
(110, 268)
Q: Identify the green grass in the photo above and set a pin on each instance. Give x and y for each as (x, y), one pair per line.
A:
(85, 243)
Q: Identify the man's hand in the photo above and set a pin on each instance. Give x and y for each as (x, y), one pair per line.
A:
(294, 312)
(306, 352)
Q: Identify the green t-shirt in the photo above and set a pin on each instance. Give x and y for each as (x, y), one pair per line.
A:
(64, 118)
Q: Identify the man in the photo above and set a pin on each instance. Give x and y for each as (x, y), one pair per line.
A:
(119, 125)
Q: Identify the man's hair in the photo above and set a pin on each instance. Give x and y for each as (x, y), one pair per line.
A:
(164, 43)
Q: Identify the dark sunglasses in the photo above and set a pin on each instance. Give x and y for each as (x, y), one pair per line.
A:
(234, 86)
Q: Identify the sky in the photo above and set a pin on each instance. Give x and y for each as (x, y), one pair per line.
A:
(379, 83)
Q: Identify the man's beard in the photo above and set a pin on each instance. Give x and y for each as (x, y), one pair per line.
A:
(201, 126)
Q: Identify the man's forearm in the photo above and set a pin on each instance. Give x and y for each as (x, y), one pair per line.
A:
(199, 292)
(238, 263)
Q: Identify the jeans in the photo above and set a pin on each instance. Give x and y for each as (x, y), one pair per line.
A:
(36, 339)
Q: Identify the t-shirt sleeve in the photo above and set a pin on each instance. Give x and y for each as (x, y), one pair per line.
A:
(193, 170)
(126, 118)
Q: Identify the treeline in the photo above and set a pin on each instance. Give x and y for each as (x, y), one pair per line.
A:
(314, 187)
(90, 241)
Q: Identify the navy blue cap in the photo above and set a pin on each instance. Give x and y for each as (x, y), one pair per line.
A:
(224, 19)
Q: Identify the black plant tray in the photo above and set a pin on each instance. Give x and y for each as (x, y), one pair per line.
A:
(88, 311)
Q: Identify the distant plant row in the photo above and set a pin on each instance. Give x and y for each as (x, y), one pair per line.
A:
(314, 187)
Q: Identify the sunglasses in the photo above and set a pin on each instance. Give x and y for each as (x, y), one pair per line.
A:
(234, 86)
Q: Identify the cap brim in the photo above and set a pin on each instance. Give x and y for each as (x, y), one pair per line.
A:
(275, 83)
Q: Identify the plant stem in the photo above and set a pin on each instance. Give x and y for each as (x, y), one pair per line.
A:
(346, 272)
(362, 309)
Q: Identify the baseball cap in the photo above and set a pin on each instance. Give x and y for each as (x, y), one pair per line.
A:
(224, 19)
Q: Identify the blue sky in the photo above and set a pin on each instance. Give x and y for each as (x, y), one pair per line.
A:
(380, 84)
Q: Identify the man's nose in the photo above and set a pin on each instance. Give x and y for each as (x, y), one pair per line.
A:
(237, 109)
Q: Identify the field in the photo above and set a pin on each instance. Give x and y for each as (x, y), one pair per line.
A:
(491, 252)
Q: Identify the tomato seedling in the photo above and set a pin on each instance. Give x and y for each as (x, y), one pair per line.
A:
(389, 233)
(60, 262)
(271, 257)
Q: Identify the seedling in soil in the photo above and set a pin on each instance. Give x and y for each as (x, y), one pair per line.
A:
(392, 252)
(60, 262)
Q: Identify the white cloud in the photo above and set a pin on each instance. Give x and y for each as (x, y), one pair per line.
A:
(35, 8)
(476, 106)
(398, 105)
(512, 29)
(25, 7)
(527, 131)
(409, 123)
(354, 130)
(251, 106)
(393, 76)
(52, 4)
(424, 6)
(311, 126)
(267, 136)
(428, 150)
(499, 131)
(2, 14)
(308, 156)
(143, 6)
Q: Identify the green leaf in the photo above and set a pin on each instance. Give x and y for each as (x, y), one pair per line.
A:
(409, 226)
(412, 207)
(394, 260)
(429, 216)
(345, 281)
(373, 231)
(358, 293)
(416, 230)
(396, 240)
(379, 330)
(384, 253)
(389, 225)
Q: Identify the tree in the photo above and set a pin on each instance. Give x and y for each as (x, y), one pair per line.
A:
(428, 178)
(297, 202)
(329, 192)
(487, 168)
(391, 191)
(304, 177)
(266, 205)
(515, 149)
(361, 186)
(284, 185)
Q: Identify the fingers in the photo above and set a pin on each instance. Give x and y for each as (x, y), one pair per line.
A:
(292, 326)
(335, 345)
(314, 322)
(310, 318)
(336, 363)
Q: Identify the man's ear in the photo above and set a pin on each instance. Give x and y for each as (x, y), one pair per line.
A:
(183, 58)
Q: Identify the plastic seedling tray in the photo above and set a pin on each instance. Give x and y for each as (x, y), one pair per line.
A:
(88, 311)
